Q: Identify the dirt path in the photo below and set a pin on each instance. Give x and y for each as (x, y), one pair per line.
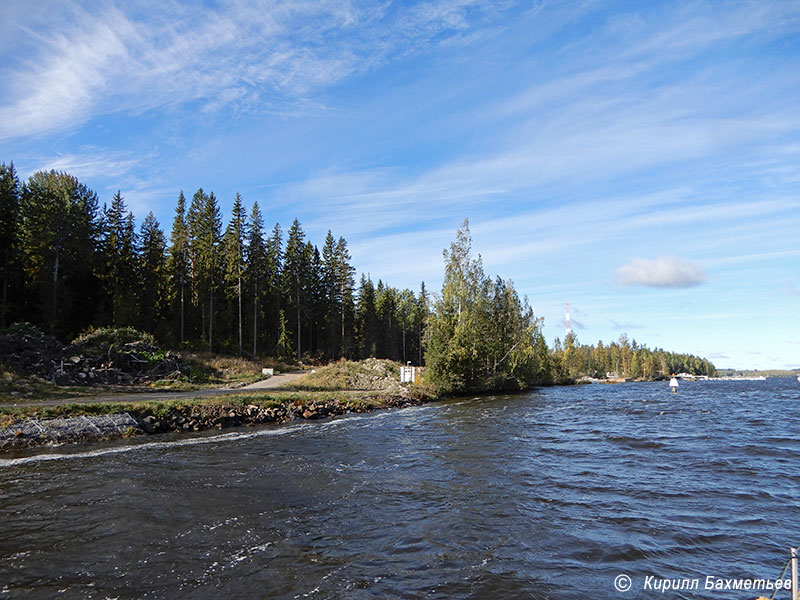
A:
(265, 384)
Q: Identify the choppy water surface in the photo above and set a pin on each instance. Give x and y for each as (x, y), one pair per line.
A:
(550, 494)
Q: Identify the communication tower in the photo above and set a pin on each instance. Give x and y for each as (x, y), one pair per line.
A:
(569, 329)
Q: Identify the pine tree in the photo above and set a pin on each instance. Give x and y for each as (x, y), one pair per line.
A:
(119, 253)
(179, 263)
(255, 274)
(154, 276)
(59, 239)
(10, 198)
(233, 256)
(204, 224)
(388, 337)
(366, 319)
(284, 344)
(315, 297)
(332, 297)
(345, 285)
(274, 283)
(295, 269)
(421, 315)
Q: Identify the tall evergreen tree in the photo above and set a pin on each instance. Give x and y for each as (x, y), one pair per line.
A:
(10, 198)
(332, 299)
(345, 284)
(256, 267)
(421, 315)
(204, 224)
(154, 277)
(389, 332)
(233, 256)
(179, 263)
(274, 284)
(316, 299)
(59, 239)
(295, 275)
(366, 319)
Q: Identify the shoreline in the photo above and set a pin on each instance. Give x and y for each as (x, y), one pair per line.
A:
(115, 421)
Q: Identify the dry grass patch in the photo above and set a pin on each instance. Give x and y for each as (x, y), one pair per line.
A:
(370, 374)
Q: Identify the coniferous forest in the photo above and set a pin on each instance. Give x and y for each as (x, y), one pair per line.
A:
(69, 264)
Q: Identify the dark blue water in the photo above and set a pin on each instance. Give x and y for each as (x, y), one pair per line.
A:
(550, 494)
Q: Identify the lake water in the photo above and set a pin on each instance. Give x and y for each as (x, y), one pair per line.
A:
(551, 494)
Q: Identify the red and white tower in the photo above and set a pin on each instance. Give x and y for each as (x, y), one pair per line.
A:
(569, 329)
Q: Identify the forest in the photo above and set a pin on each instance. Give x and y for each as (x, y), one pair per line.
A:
(626, 358)
(69, 265)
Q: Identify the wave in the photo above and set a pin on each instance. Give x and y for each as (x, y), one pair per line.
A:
(197, 441)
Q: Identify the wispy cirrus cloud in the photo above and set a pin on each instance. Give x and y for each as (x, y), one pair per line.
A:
(623, 326)
(663, 272)
(92, 162)
(248, 55)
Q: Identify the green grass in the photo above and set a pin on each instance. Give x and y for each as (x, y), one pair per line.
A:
(160, 409)
(25, 389)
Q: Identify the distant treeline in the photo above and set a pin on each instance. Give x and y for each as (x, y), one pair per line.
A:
(67, 265)
(758, 372)
(626, 358)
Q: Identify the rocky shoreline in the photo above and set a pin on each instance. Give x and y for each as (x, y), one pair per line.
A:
(191, 417)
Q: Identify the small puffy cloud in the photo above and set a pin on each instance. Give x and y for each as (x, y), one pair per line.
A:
(664, 271)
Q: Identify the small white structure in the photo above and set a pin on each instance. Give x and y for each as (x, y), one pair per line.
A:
(268, 372)
(673, 384)
(408, 374)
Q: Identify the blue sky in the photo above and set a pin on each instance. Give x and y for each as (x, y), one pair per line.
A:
(639, 160)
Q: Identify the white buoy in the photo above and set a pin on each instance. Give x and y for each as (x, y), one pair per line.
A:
(673, 384)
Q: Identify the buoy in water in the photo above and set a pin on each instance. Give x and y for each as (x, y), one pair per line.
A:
(673, 384)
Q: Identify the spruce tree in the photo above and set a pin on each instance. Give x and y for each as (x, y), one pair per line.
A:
(179, 263)
(204, 224)
(10, 197)
(60, 234)
(295, 269)
(421, 315)
(345, 285)
(332, 297)
(255, 274)
(233, 257)
(366, 319)
(154, 276)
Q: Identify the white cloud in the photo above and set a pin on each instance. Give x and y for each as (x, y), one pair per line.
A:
(663, 272)
(91, 163)
(249, 55)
